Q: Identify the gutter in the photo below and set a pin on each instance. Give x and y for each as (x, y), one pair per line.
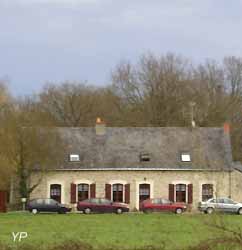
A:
(139, 169)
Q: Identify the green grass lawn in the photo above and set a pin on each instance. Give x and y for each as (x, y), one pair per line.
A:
(118, 231)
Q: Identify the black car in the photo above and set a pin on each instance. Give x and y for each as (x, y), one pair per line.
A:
(46, 205)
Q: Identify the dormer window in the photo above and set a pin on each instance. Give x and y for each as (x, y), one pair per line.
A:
(144, 157)
(74, 157)
(185, 157)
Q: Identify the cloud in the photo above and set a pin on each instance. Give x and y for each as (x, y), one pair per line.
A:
(84, 39)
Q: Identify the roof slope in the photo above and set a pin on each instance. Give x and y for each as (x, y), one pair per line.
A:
(120, 148)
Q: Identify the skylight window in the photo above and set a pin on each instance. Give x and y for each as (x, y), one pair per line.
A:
(74, 157)
(185, 157)
(144, 157)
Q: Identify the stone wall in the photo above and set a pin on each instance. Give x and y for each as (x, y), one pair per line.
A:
(158, 180)
(236, 187)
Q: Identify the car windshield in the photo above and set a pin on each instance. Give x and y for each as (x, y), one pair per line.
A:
(156, 201)
(104, 201)
(165, 201)
(50, 202)
(94, 201)
(86, 200)
(39, 201)
(222, 200)
(228, 201)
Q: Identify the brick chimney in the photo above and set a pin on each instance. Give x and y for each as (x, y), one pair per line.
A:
(226, 128)
(100, 127)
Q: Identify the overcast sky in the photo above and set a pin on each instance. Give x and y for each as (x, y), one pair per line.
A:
(82, 40)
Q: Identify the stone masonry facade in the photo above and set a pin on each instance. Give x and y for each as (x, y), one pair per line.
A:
(158, 180)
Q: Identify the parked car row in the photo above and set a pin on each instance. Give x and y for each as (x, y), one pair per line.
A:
(102, 205)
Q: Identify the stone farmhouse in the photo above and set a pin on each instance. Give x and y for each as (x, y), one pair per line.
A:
(130, 164)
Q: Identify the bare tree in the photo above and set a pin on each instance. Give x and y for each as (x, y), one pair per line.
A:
(157, 89)
(69, 104)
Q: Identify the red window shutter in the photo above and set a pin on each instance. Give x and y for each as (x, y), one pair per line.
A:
(127, 193)
(190, 193)
(93, 190)
(3, 201)
(73, 193)
(108, 191)
(171, 192)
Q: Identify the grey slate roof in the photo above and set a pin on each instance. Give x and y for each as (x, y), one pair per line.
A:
(120, 148)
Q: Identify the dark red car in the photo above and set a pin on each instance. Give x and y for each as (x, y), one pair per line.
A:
(162, 205)
(101, 205)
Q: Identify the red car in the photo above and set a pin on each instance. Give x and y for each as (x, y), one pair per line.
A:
(101, 205)
(162, 205)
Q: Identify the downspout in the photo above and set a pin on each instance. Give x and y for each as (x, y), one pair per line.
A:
(228, 154)
(11, 195)
(230, 181)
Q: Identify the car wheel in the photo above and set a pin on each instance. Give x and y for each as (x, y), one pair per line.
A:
(34, 211)
(209, 210)
(240, 211)
(179, 211)
(119, 211)
(147, 211)
(87, 210)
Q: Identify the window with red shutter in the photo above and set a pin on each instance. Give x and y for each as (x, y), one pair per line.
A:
(108, 191)
(181, 192)
(3, 201)
(190, 193)
(93, 190)
(171, 192)
(118, 192)
(127, 193)
(83, 191)
(73, 193)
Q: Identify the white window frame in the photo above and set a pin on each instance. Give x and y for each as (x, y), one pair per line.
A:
(49, 183)
(74, 157)
(83, 182)
(118, 182)
(185, 157)
(123, 191)
(181, 182)
(201, 189)
(89, 189)
(151, 182)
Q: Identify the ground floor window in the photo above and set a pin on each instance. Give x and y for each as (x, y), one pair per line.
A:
(118, 192)
(83, 191)
(55, 192)
(207, 192)
(180, 192)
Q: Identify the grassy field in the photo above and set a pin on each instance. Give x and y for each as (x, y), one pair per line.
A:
(128, 231)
